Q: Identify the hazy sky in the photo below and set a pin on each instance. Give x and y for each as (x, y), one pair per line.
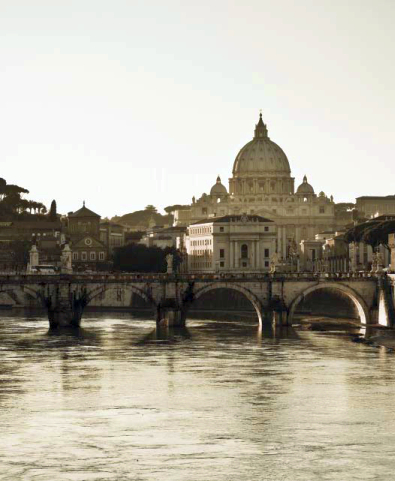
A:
(129, 103)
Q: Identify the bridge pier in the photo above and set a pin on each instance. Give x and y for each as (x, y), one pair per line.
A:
(275, 318)
(64, 307)
(169, 313)
(276, 313)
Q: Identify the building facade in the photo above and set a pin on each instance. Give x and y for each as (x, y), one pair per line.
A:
(373, 206)
(261, 184)
(112, 235)
(88, 251)
(236, 243)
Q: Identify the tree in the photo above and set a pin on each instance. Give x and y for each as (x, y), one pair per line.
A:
(11, 189)
(3, 185)
(20, 251)
(355, 233)
(52, 212)
(151, 208)
(140, 258)
(13, 205)
(171, 208)
(378, 234)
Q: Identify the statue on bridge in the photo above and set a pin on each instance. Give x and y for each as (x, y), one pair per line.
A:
(273, 263)
(169, 260)
(66, 265)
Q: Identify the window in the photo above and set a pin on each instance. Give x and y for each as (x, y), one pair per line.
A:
(222, 264)
(83, 256)
(75, 256)
(266, 263)
(266, 252)
(222, 253)
(92, 256)
(322, 210)
(244, 251)
(266, 228)
(221, 229)
(244, 264)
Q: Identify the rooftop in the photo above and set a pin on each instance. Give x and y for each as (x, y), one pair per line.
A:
(233, 218)
(83, 212)
(377, 197)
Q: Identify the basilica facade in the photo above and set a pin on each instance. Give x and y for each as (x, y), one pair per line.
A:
(262, 185)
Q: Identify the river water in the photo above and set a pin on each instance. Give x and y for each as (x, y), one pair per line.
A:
(218, 401)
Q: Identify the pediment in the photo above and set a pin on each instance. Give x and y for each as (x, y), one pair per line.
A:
(88, 242)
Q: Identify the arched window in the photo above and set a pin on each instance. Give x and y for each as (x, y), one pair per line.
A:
(244, 251)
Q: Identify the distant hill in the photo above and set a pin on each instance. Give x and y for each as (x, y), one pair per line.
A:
(143, 218)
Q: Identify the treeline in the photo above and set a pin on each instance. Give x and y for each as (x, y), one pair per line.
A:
(140, 258)
(12, 204)
(373, 232)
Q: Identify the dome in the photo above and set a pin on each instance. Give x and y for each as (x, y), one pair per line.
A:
(305, 187)
(218, 188)
(261, 156)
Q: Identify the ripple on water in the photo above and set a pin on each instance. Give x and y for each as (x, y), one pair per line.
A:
(120, 400)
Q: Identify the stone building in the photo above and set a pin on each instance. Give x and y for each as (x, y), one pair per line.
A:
(373, 206)
(336, 254)
(261, 184)
(237, 243)
(163, 237)
(112, 235)
(88, 251)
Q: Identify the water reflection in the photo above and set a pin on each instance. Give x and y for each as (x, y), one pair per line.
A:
(166, 335)
(121, 399)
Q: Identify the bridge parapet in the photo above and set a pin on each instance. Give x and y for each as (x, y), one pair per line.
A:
(161, 277)
(172, 293)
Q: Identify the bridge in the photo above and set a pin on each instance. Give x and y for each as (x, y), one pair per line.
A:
(275, 297)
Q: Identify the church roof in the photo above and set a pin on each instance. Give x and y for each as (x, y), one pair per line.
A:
(84, 212)
(261, 156)
(232, 218)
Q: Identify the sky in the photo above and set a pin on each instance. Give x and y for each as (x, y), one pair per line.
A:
(127, 103)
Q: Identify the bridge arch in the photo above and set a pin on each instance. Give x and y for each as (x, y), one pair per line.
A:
(130, 288)
(256, 303)
(19, 292)
(360, 304)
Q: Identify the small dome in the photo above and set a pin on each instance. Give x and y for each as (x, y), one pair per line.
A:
(305, 187)
(218, 188)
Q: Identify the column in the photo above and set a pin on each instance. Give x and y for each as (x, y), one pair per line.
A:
(231, 256)
(284, 239)
(258, 256)
(236, 254)
(354, 257)
(279, 245)
(253, 260)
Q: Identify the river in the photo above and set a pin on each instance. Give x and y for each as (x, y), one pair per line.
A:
(221, 401)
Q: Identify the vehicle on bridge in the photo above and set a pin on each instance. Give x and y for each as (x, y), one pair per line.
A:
(44, 269)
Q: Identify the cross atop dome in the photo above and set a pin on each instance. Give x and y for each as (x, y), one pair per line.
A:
(260, 128)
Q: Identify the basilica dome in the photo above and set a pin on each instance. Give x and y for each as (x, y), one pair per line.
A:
(218, 188)
(305, 187)
(261, 157)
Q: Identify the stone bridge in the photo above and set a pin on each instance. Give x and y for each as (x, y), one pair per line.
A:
(273, 296)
